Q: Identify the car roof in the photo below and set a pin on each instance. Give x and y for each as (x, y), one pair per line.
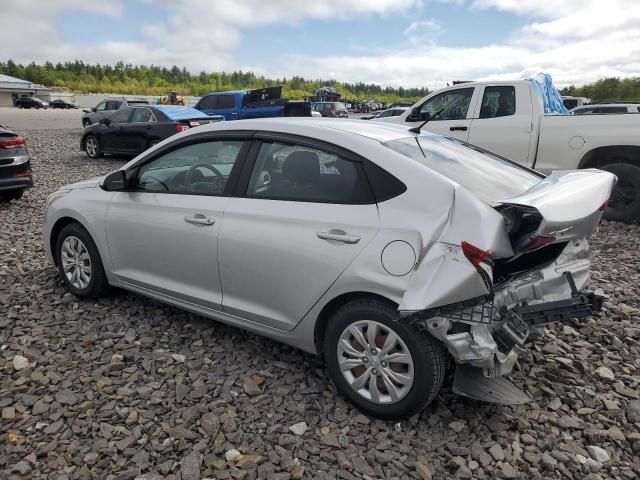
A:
(381, 132)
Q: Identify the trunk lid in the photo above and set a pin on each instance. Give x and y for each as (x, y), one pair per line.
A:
(569, 204)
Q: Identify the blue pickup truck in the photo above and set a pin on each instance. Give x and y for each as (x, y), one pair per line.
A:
(260, 103)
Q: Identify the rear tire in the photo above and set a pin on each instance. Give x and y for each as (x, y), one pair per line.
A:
(624, 204)
(403, 387)
(79, 262)
(92, 147)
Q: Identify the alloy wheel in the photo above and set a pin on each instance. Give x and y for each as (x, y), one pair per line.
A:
(375, 362)
(91, 146)
(76, 262)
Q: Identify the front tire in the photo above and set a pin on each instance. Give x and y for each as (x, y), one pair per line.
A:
(92, 147)
(79, 262)
(624, 204)
(387, 369)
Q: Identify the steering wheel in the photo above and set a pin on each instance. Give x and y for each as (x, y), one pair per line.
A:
(189, 180)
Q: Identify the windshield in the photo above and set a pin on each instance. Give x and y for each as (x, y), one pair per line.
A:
(490, 177)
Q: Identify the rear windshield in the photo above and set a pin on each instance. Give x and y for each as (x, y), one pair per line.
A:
(488, 176)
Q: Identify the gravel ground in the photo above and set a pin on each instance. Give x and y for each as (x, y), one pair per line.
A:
(129, 388)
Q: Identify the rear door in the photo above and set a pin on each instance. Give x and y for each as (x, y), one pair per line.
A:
(503, 121)
(304, 214)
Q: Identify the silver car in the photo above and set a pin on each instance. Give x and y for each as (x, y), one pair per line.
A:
(386, 252)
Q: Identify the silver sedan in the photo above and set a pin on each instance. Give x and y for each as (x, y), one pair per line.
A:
(386, 252)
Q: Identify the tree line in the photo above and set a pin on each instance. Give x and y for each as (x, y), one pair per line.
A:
(608, 90)
(124, 78)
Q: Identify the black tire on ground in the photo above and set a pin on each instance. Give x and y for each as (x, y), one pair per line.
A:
(89, 149)
(428, 355)
(98, 285)
(624, 204)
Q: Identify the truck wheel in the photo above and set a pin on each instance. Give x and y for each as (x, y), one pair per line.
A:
(624, 204)
(386, 369)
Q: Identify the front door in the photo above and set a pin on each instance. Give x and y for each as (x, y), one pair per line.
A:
(454, 120)
(163, 235)
(303, 220)
(113, 138)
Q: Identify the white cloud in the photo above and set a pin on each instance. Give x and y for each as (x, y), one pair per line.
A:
(577, 41)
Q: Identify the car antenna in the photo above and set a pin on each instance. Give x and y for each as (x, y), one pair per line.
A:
(431, 117)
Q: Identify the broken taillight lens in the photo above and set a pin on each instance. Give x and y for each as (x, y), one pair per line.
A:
(474, 254)
(180, 127)
(539, 242)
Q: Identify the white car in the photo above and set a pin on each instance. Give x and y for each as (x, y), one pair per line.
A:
(385, 251)
(606, 108)
(508, 118)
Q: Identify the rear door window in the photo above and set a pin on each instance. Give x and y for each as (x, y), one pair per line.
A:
(142, 115)
(300, 173)
(498, 101)
(225, 101)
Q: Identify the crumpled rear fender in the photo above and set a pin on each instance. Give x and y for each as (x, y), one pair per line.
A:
(443, 274)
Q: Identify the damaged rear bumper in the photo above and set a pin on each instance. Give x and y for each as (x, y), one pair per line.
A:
(486, 332)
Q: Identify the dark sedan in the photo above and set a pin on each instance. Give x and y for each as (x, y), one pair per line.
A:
(61, 103)
(31, 102)
(131, 130)
(15, 168)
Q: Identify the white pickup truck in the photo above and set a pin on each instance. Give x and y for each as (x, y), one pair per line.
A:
(508, 118)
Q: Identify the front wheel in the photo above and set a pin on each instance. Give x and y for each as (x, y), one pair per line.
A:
(624, 204)
(92, 147)
(79, 262)
(386, 369)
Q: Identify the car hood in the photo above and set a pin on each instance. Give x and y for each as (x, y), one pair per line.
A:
(91, 183)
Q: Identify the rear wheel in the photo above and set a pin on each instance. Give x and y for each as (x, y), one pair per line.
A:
(92, 147)
(386, 369)
(79, 262)
(624, 204)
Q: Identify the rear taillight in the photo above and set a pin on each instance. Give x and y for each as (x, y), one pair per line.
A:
(23, 174)
(15, 142)
(474, 254)
(180, 127)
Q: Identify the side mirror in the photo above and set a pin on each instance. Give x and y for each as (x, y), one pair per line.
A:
(115, 182)
(86, 110)
(93, 109)
(105, 121)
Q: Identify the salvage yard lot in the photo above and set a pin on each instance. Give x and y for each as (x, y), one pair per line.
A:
(127, 386)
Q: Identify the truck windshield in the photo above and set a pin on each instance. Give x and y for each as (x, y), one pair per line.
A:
(491, 177)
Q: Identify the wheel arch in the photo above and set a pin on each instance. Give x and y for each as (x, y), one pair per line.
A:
(55, 231)
(601, 156)
(332, 306)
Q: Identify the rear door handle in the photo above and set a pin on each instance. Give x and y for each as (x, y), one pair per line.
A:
(460, 128)
(199, 220)
(338, 236)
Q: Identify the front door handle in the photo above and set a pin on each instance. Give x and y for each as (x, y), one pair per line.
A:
(199, 219)
(459, 127)
(338, 236)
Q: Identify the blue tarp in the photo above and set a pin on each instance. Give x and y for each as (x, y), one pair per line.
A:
(551, 98)
(178, 112)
